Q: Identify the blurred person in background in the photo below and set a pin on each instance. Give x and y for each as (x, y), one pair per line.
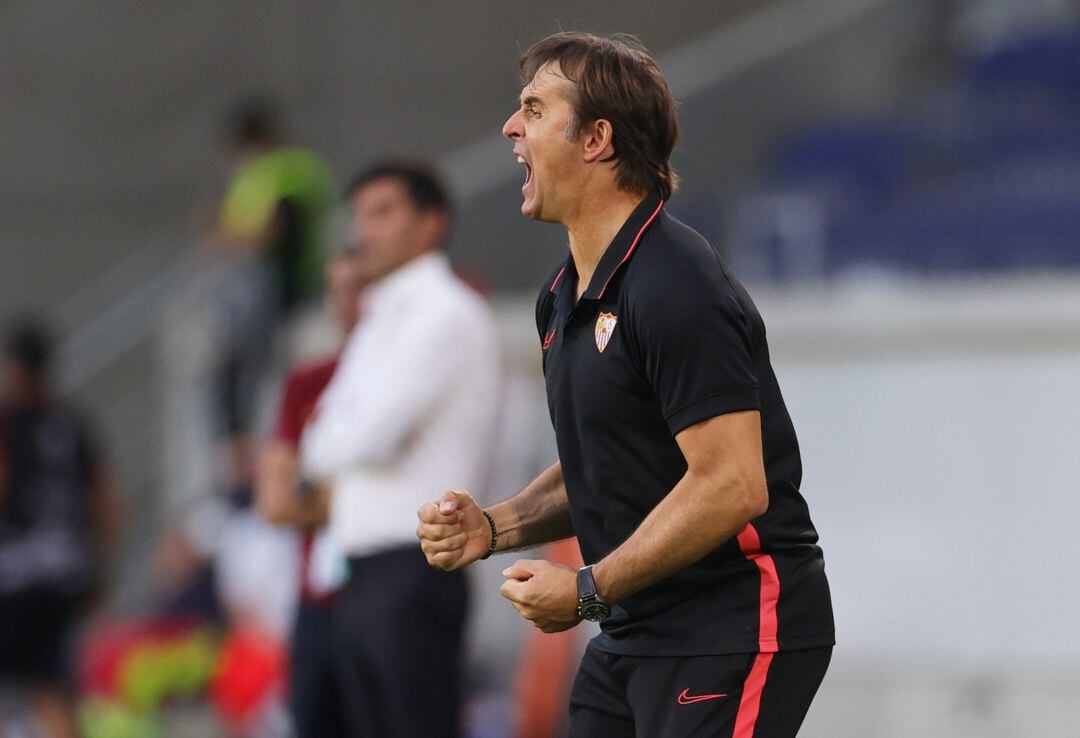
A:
(271, 225)
(313, 692)
(58, 525)
(678, 468)
(412, 403)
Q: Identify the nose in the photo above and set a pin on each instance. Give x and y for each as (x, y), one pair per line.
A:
(512, 128)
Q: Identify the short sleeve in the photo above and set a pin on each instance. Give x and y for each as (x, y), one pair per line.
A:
(697, 351)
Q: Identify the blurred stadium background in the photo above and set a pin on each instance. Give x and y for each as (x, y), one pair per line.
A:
(898, 182)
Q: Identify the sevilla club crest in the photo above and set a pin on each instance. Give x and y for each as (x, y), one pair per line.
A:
(605, 326)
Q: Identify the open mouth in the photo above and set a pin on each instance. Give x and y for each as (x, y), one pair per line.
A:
(528, 170)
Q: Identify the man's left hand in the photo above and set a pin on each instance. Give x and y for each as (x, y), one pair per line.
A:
(544, 593)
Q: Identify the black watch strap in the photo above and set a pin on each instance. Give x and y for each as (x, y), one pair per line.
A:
(586, 585)
(590, 606)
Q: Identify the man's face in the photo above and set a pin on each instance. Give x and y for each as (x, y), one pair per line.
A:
(539, 130)
(343, 286)
(388, 230)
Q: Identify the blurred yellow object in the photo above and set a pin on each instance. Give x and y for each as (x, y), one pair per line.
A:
(155, 671)
(100, 717)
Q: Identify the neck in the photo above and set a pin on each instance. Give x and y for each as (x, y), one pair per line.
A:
(594, 226)
(409, 259)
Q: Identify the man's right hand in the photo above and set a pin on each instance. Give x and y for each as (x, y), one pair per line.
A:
(453, 532)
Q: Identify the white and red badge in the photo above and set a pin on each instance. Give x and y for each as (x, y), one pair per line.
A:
(605, 326)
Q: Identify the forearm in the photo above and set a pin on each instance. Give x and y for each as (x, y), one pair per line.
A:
(355, 426)
(311, 510)
(700, 514)
(328, 447)
(538, 514)
(307, 511)
(278, 496)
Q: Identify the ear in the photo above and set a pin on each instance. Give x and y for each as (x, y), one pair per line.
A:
(435, 225)
(597, 141)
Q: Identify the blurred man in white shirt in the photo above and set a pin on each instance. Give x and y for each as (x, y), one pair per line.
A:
(410, 408)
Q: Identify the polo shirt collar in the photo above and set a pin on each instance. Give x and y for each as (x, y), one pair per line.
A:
(618, 252)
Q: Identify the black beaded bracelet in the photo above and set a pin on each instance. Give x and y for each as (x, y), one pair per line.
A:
(494, 535)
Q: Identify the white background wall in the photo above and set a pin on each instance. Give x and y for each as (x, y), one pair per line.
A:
(940, 429)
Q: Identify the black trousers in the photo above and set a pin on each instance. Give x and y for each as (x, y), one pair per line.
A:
(398, 628)
(747, 695)
(36, 630)
(314, 698)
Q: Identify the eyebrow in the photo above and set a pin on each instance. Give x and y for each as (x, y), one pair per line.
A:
(531, 100)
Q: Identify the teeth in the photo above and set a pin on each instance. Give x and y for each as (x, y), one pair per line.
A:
(521, 160)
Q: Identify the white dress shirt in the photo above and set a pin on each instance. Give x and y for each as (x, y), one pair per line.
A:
(410, 410)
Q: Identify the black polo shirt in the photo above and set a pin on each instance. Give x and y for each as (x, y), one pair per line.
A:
(663, 338)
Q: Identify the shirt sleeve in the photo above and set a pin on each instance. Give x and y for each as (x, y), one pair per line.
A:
(373, 405)
(697, 352)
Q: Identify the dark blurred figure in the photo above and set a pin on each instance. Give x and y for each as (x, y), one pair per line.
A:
(271, 222)
(58, 523)
(314, 698)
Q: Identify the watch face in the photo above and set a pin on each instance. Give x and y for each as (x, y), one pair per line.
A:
(595, 611)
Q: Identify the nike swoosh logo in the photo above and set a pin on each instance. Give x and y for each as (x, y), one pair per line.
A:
(686, 699)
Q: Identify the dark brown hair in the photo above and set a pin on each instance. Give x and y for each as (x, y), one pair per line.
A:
(618, 80)
(425, 189)
(29, 344)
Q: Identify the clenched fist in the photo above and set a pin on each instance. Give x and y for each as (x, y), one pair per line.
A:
(453, 532)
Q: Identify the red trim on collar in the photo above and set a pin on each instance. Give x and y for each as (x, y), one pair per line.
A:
(630, 250)
(557, 278)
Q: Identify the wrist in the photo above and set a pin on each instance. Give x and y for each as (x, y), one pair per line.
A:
(305, 487)
(493, 532)
(601, 581)
(591, 605)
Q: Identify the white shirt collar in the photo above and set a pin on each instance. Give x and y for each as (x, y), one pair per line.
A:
(407, 282)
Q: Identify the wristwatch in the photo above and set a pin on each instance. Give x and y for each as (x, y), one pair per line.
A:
(590, 606)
